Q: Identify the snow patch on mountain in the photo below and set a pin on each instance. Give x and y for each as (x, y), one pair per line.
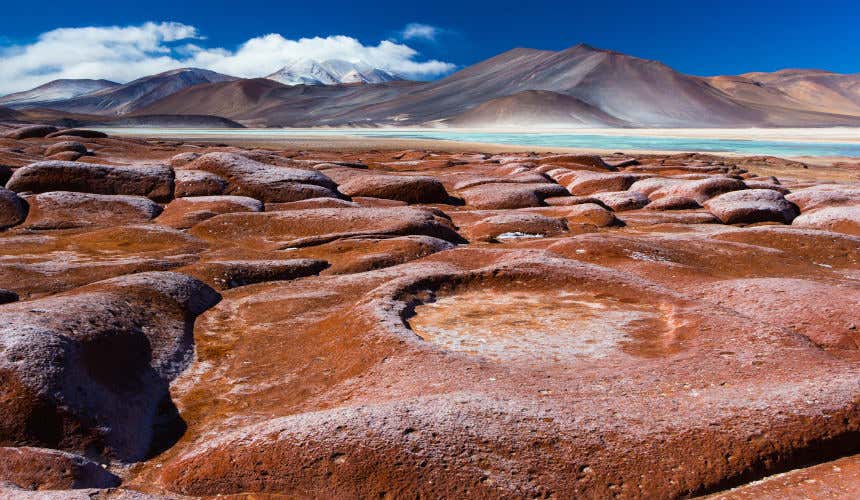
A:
(330, 72)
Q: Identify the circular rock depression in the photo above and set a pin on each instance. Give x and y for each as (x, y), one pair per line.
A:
(551, 325)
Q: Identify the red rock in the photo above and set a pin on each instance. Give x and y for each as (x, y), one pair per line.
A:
(78, 132)
(198, 183)
(13, 210)
(30, 260)
(784, 302)
(358, 255)
(65, 210)
(43, 469)
(298, 228)
(496, 196)
(593, 161)
(182, 159)
(826, 195)
(30, 131)
(65, 146)
(410, 189)
(66, 156)
(224, 275)
(698, 189)
(88, 369)
(588, 183)
(155, 182)
(841, 219)
(182, 213)
(312, 203)
(751, 206)
(265, 182)
(514, 226)
(620, 201)
(590, 213)
(673, 203)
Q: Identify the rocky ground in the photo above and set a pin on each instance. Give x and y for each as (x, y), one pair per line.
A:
(185, 320)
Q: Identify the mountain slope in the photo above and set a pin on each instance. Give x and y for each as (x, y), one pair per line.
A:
(266, 103)
(535, 108)
(812, 90)
(56, 90)
(331, 72)
(139, 93)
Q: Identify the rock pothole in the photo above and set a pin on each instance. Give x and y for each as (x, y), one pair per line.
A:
(555, 326)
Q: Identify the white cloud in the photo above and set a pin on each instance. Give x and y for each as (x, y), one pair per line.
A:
(124, 53)
(420, 31)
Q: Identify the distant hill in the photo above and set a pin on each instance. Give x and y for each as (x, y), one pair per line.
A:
(57, 90)
(812, 90)
(122, 99)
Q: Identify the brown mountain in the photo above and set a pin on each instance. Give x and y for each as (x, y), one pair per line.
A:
(808, 89)
(535, 107)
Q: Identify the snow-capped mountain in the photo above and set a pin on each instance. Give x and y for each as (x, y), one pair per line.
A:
(56, 90)
(331, 72)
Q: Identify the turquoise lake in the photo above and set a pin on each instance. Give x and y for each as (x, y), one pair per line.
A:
(554, 139)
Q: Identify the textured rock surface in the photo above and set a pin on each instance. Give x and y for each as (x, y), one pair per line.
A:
(13, 210)
(510, 340)
(751, 206)
(510, 195)
(268, 183)
(183, 213)
(64, 210)
(154, 182)
(45, 469)
(87, 371)
(30, 131)
(198, 183)
(411, 189)
(840, 219)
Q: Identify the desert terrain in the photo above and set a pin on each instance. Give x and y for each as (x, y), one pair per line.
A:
(184, 318)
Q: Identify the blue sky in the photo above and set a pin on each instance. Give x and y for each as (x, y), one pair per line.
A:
(698, 37)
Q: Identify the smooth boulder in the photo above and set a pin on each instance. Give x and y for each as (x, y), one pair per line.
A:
(65, 210)
(66, 147)
(410, 189)
(153, 181)
(838, 219)
(751, 206)
(30, 132)
(506, 195)
(268, 183)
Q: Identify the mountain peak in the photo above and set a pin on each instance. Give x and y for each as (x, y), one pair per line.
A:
(330, 72)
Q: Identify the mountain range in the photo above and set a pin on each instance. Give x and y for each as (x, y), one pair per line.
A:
(578, 87)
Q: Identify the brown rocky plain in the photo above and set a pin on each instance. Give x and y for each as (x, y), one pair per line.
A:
(187, 319)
